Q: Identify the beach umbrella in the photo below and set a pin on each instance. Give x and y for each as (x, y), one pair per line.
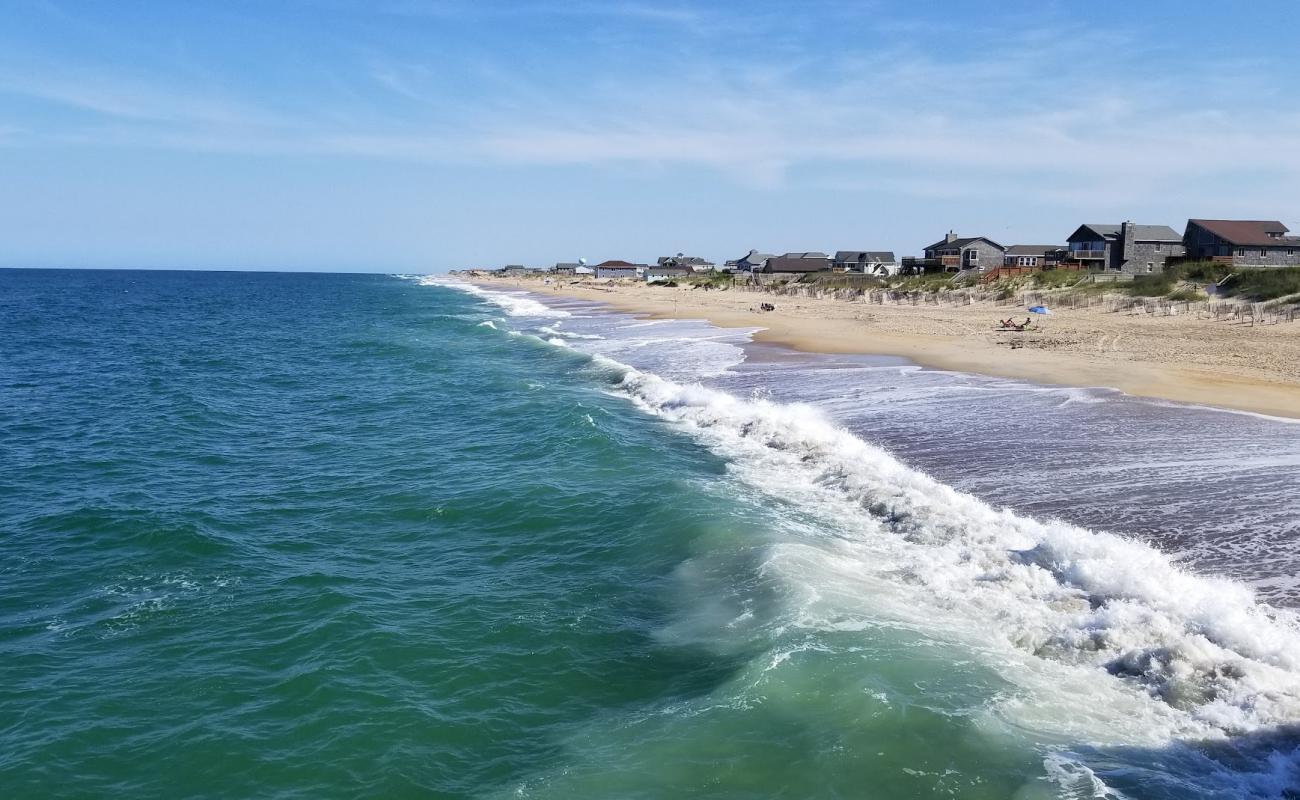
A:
(1039, 310)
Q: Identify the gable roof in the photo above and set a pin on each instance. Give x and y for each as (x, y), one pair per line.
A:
(617, 263)
(1246, 231)
(1141, 233)
(885, 256)
(809, 254)
(962, 242)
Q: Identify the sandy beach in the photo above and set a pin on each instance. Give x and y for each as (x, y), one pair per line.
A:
(1182, 358)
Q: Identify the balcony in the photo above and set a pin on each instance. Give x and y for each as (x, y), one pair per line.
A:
(1082, 255)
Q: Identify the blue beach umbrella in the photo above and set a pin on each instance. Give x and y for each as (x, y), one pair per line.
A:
(1039, 310)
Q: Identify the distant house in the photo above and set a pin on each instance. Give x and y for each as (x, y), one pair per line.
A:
(954, 253)
(1241, 242)
(752, 261)
(566, 268)
(693, 263)
(868, 262)
(618, 269)
(1125, 248)
(515, 271)
(1040, 256)
(808, 254)
(663, 273)
(796, 264)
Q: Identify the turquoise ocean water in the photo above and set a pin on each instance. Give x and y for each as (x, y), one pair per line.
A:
(283, 535)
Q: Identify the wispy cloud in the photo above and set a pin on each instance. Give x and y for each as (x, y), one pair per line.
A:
(1041, 110)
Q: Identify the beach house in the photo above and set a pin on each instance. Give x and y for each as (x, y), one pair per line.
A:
(868, 262)
(618, 269)
(953, 253)
(797, 264)
(693, 263)
(752, 261)
(1241, 242)
(1125, 248)
(1034, 256)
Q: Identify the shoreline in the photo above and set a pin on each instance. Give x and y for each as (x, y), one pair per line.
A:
(963, 340)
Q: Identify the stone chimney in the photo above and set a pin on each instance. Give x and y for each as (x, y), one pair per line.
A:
(950, 238)
(1128, 237)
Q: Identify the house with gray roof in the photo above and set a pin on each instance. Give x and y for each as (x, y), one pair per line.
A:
(693, 263)
(752, 261)
(868, 262)
(954, 253)
(1241, 242)
(1125, 248)
(796, 264)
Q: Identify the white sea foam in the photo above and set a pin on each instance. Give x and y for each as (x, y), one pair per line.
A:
(554, 330)
(1199, 653)
(516, 304)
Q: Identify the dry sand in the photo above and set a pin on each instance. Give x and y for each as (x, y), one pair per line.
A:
(1181, 358)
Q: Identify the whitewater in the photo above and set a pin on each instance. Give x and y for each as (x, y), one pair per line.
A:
(1107, 644)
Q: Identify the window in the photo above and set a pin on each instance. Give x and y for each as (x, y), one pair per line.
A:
(1241, 252)
(1290, 251)
(1151, 267)
(973, 256)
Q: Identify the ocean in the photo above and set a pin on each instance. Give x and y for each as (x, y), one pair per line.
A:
(295, 535)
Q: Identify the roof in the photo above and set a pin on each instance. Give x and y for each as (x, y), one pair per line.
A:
(962, 242)
(1246, 231)
(684, 261)
(796, 264)
(809, 254)
(886, 256)
(1141, 233)
(617, 263)
(567, 265)
(1033, 249)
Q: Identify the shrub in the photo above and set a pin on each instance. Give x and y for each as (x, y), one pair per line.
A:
(1263, 284)
(1157, 285)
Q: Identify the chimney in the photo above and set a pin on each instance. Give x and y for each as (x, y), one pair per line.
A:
(950, 238)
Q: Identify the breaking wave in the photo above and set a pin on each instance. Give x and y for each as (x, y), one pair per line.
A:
(1200, 646)
(515, 304)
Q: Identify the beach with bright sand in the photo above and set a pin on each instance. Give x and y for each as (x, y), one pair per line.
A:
(1184, 358)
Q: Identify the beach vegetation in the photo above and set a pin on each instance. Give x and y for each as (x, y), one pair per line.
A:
(1262, 284)
(1187, 293)
(1156, 285)
(711, 280)
(1055, 278)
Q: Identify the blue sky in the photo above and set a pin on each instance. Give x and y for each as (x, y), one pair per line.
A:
(421, 135)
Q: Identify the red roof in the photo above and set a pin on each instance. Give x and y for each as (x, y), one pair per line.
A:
(1245, 231)
(616, 263)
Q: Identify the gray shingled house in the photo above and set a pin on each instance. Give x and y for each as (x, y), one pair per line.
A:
(954, 253)
(1241, 242)
(752, 261)
(1125, 248)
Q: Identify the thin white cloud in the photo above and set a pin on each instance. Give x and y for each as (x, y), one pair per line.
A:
(1044, 112)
